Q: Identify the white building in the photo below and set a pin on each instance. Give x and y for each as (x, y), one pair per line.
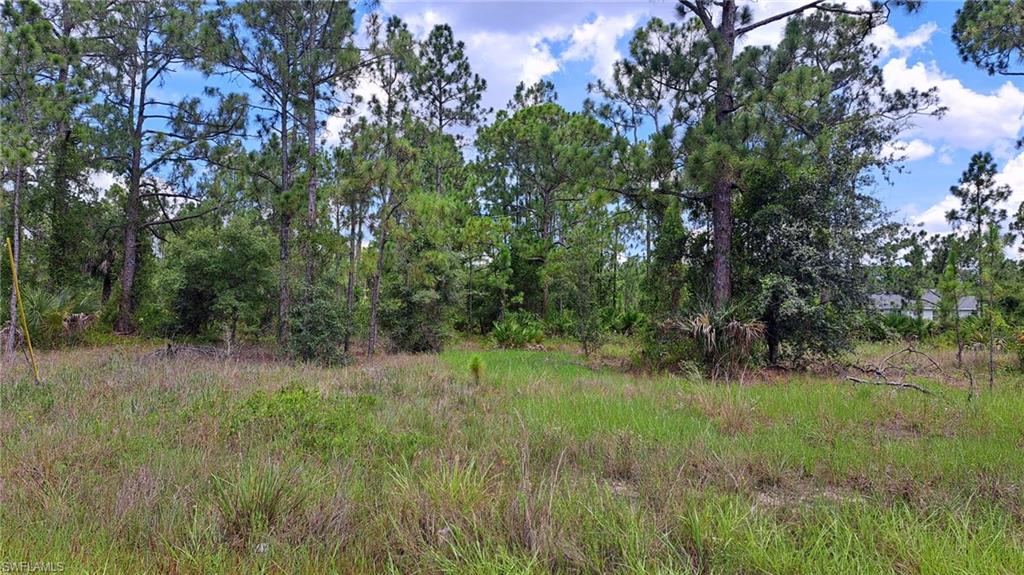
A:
(929, 308)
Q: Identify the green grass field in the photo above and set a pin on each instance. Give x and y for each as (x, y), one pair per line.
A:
(126, 463)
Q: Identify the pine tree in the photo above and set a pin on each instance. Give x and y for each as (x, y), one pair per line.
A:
(153, 142)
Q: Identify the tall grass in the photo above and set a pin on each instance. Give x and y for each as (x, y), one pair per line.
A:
(127, 464)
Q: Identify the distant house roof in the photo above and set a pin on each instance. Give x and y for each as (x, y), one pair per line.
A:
(929, 299)
(968, 303)
(887, 301)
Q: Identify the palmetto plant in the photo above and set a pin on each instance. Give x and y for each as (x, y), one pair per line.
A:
(724, 340)
(54, 316)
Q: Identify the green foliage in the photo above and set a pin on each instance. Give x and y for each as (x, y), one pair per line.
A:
(476, 369)
(326, 426)
(988, 32)
(517, 329)
(319, 326)
(58, 318)
(722, 343)
(905, 326)
(798, 324)
(629, 322)
(220, 277)
(255, 503)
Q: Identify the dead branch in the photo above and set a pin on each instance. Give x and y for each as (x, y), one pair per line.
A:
(896, 384)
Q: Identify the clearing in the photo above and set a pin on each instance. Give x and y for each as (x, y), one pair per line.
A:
(128, 462)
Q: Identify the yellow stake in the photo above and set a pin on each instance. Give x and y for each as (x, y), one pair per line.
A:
(21, 307)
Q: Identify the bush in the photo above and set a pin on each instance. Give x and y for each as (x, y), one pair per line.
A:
(662, 349)
(518, 329)
(722, 342)
(874, 328)
(560, 323)
(1018, 345)
(318, 329)
(328, 426)
(60, 318)
(628, 322)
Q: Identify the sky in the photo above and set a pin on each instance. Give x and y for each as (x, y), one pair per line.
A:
(572, 43)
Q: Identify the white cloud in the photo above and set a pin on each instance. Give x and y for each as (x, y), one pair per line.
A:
(909, 151)
(505, 59)
(102, 180)
(933, 220)
(1012, 175)
(973, 120)
(886, 38)
(597, 41)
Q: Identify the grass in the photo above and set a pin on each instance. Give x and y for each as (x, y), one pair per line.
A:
(528, 462)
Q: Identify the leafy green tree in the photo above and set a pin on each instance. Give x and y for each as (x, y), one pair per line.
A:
(24, 112)
(950, 291)
(722, 26)
(329, 61)
(542, 164)
(981, 198)
(1017, 225)
(815, 127)
(540, 92)
(150, 141)
(64, 184)
(221, 277)
(264, 43)
(448, 91)
(988, 34)
(393, 56)
(990, 279)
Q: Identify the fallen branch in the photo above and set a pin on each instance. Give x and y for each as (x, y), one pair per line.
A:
(883, 382)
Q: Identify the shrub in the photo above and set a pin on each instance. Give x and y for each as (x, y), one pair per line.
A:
(476, 369)
(254, 504)
(874, 328)
(722, 342)
(518, 329)
(1019, 346)
(218, 279)
(317, 424)
(628, 322)
(560, 323)
(59, 318)
(318, 329)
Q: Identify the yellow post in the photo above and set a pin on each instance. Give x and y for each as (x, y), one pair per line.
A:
(21, 308)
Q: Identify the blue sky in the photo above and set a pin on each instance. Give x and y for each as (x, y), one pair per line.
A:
(572, 43)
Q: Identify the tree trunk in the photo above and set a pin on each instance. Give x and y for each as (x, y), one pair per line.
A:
(125, 323)
(284, 231)
(469, 297)
(311, 191)
(355, 237)
(956, 328)
(64, 239)
(284, 297)
(724, 180)
(19, 182)
(371, 342)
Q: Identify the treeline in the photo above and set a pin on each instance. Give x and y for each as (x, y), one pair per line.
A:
(711, 200)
